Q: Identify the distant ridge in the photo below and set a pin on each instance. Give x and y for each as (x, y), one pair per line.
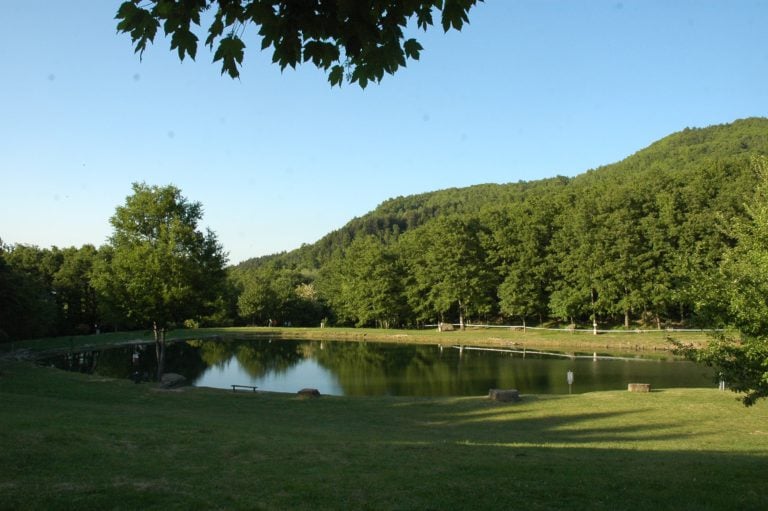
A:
(681, 159)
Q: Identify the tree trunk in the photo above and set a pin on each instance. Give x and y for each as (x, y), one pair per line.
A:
(462, 315)
(626, 318)
(159, 349)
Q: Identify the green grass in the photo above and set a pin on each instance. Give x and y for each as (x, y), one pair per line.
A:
(72, 441)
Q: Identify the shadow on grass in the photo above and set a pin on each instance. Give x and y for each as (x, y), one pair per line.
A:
(515, 456)
(68, 438)
(505, 426)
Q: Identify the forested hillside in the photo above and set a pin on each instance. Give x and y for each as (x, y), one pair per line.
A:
(638, 240)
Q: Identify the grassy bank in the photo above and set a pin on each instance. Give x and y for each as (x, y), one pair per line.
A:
(618, 342)
(657, 340)
(74, 441)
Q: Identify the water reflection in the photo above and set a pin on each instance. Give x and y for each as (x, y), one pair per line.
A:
(360, 369)
(257, 358)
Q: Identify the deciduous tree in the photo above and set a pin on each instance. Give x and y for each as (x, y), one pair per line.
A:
(371, 288)
(27, 305)
(742, 358)
(356, 40)
(75, 293)
(448, 269)
(159, 268)
(522, 234)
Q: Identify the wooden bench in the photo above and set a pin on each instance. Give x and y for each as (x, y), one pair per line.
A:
(252, 387)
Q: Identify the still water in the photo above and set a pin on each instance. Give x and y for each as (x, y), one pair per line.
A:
(368, 368)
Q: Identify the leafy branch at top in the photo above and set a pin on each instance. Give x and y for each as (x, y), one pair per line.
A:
(353, 40)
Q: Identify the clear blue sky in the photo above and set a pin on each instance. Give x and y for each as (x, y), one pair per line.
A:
(530, 89)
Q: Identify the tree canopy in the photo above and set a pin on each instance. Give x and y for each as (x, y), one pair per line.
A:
(630, 244)
(741, 357)
(353, 40)
(158, 266)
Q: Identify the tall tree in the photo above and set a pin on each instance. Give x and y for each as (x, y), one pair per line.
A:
(159, 268)
(356, 40)
(663, 285)
(27, 303)
(742, 359)
(577, 254)
(33, 308)
(625, 262)
(74, 291)
(522, 234)
(371, 284)
(258, 302)
(448, 269)
(271, 295)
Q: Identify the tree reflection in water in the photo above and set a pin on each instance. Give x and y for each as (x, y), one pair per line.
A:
(125, 361)
(257, 358)
(366, 368)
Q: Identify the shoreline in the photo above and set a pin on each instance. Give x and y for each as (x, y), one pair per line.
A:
(619, 342)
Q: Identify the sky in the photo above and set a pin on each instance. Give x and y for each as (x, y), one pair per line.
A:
(530, 89)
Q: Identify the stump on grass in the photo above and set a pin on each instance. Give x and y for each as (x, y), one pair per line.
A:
(309, 393)
(504, 395)
(172, 381)
(639, 387)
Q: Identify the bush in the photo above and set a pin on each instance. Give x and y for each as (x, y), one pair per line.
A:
(191, 324)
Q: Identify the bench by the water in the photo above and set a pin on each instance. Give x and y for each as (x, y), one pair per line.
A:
(252, 387)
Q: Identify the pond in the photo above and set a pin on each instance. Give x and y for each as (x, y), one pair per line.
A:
(374, 369)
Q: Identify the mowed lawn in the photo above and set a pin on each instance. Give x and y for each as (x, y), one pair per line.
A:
(73, 441)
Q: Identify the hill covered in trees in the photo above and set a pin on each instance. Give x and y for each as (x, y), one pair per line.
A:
(637, 240)
(641, 241)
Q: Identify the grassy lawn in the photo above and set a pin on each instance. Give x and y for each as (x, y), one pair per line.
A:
(72, 441)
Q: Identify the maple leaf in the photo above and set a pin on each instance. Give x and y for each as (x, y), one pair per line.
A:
(230, 52)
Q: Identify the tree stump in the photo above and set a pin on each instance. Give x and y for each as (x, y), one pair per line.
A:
(504, 395)
(639, 387)
(172, 380)
(309, 393)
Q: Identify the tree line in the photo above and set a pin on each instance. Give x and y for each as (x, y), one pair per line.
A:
(640, 242)
(673, 235)
(157, 270)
